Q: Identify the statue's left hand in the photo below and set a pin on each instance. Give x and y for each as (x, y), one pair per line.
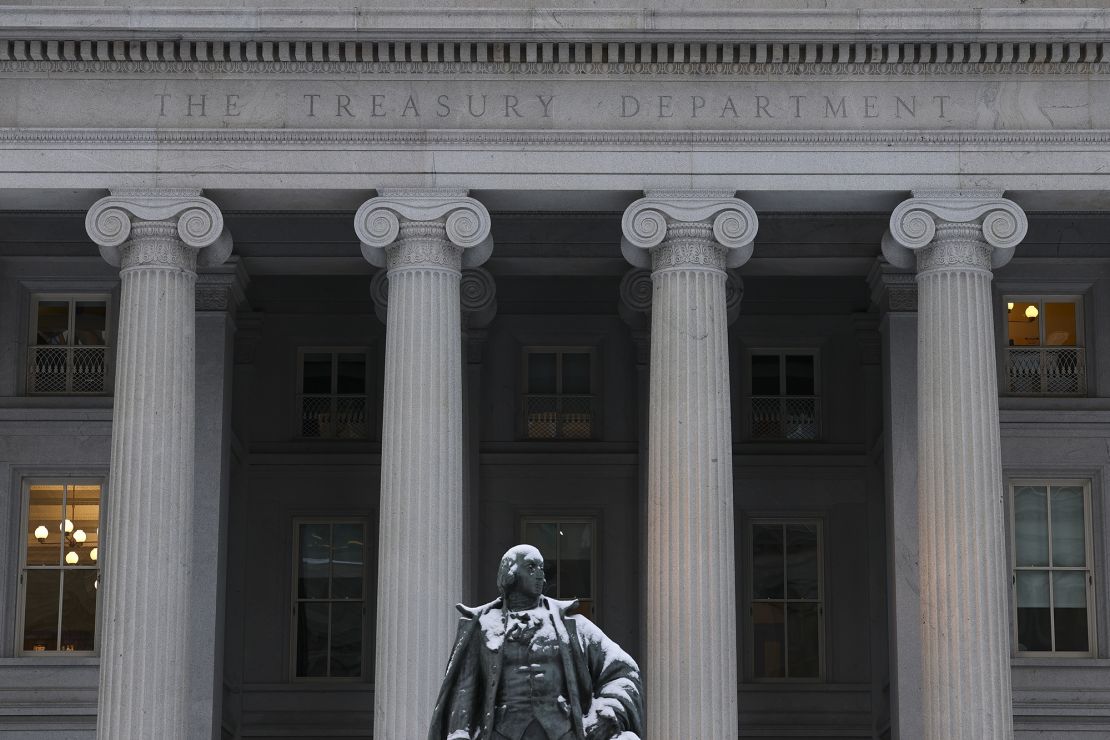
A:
(601, 721)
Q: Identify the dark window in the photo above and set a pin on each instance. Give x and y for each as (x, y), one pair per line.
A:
(333, 395)
(69, 353)
(568, 547)
(559, 400)
(784, 398)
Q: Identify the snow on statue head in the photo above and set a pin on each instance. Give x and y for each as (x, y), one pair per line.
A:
(511, 566)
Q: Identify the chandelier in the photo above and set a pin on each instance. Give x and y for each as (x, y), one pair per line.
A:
(73, 538)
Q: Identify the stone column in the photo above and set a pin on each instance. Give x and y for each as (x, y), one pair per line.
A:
(423, 239)
(954, 239)
(157, 238)
(688, 239)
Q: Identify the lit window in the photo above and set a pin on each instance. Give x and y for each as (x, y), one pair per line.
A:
(568, 546)
(787, 609)
(333, 393)
(60, 573)
(68, 348)
(558, 401)
(329, 608)
(1052, 581)
(1044, 352)
(784, 395)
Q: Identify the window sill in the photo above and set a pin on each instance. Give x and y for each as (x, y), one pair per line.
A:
(1052, 661)
(50, 660)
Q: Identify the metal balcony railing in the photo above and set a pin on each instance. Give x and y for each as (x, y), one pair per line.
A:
(333, 417)
(784, 417)
(62, 369)
(558, 416)
(1046, 371)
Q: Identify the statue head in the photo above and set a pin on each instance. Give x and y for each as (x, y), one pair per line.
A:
(521, 571)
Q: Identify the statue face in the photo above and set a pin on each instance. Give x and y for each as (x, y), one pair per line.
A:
(529, 574)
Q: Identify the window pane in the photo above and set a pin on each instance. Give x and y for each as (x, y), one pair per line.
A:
(576, 373)
(1068, 547)
(83, 507)
(351, 374)
(53, 322)
(765, 375)
(78, 609)
(541, 535)
(768, 643)
(1023, 323)
(1059, 324)
(90, 323)
(541, 372)
(315, 554)
(767, 563)
(799, 375)
(801, 562)
(316, 377)
(803, 623)
(45, 522)
(346, 639)
(347, 557)
(312, 639)
(575, 559)
(40, 613)
(1031, 525)
(1069, 591)
(1034, 626)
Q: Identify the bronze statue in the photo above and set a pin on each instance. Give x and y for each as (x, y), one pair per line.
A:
(522, 669)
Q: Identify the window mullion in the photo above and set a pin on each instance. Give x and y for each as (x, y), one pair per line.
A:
(785, 601)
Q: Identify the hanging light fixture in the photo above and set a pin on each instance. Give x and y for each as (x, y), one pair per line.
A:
(1010, 306)
(72, 557)
(41, 533)
(1032, 311)
(93, 554)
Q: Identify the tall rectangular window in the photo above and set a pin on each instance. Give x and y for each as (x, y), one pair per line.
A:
(568, 546)
(787, 599)
(68, 353)
(559, 399)
(333, 393)
(1053, 582)
(330, 603)
(60, 572)
(1044, 346)
(784, 395)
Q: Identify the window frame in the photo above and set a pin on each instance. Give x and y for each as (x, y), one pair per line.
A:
(72, 297)
(822, 601)
(295, 601)
(542, 518)
(782, 352)
(26, 482)
(1089, 553)
(1040, 298)
(299, 395)
(595, 397)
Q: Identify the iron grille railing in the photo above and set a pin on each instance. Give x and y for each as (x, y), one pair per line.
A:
(558, 416)
(784, 417)
(333, 417)
(1046, 370)
(62, 369)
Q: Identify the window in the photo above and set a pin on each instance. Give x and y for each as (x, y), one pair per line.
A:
(60, 573)
(1044, 352)
(68, 351)
(787, 609)
(558, 403)
(1052, 580)
(568, 545)
(784, 395)
(329, 607)
(333, 393)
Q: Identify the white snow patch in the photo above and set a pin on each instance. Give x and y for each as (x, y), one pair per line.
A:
(493, 629)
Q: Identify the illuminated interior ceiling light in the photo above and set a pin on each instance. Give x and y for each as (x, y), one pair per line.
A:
(41, 533)
(71, 557)
(79, 536)
(1032, 312)
(93, 554)
(66, 526)
(1010, 306)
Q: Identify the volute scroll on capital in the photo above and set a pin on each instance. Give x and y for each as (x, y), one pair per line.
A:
(646, 223)
(198, 221)
(465, 220)
(997, 222)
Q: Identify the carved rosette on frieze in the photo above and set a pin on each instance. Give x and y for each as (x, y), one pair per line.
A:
(160, 228)
(688, 229)
(958, 229)
(437, 228)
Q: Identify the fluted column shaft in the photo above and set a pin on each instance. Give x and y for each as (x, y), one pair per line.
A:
(146, 556)
(691, 666)
(965, 643)
(423, 239)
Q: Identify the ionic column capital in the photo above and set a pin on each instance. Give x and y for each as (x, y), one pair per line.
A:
(440, 227)
(703, 228)
(936, 229)
(162, 227)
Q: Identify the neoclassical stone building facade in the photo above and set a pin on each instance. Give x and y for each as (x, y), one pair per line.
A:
(784, 333)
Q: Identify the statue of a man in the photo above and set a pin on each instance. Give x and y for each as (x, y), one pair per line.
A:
(522, 669)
